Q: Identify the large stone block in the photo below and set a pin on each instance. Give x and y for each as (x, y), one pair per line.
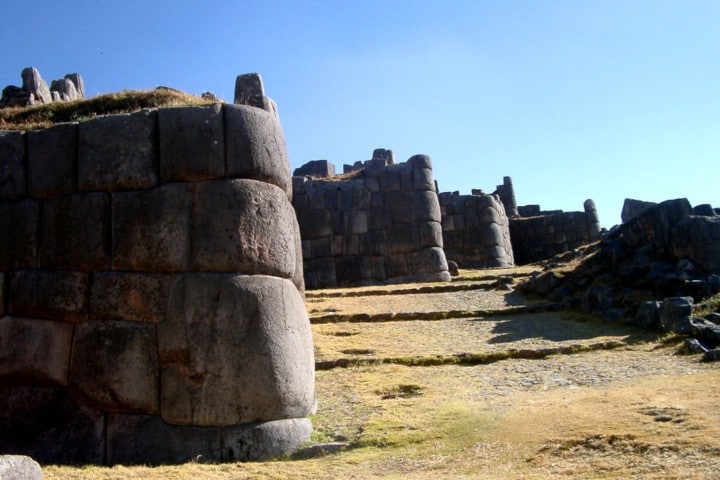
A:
(265, 441)
(147, 440)
(423, 179)
(427, 260)
(192, 143)
(235, 349)
(403, 238)
(2, 294)
(34, 351)
(117, 152)
(59, 295)
(243, 226)
(18, 233)
(698, 238)
(430, 234)
(52, 160)
(12, 165)
(47, 425)
(255, 146)
(135, 297)
(19, 467)
(396, 266)
(314, 223)
(426, 207)
(115, 365)
(654, 225)
(76, 232)
(353, 268)
(151, 228)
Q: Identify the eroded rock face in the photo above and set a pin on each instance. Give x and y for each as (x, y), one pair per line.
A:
(698, 239)
(35, 90)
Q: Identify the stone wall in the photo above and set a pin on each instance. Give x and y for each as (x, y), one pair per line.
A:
(151, 285)
(539, 235)
(476, 230)
(378, 224)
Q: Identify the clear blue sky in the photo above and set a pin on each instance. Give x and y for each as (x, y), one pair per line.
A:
(573, 99)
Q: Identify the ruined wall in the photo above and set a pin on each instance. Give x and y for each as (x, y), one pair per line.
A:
(476, 230)
(150, 290)
(378, 224)
(538, 235)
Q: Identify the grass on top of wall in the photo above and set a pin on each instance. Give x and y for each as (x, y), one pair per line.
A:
(127, 101)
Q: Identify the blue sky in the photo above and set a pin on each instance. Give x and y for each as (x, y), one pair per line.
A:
(573, 99)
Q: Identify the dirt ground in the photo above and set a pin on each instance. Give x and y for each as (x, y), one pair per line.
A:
(636, 410)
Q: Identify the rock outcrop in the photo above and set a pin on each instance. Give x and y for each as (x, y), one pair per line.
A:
(34, 90)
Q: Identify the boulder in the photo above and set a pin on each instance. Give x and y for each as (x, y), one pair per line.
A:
(653, 226)
(632, 208)
(265, 441)
(698, 238)
(675, 314)
(648, 315)
(19, 467)
(34, 84)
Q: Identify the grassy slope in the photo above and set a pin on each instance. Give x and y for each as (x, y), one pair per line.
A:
(43, 116)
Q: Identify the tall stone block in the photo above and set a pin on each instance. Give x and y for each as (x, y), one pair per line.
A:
(118, 152)
(192, 143)
(52, 160)
(75, 232)
(255, 146)
(234, 349)
(13, 177)
(151, 228)
(18, 233)
(115, 367)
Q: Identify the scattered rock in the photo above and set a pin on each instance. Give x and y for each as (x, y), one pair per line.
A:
(675, 314)
(19, 467)
(453, 268)
(34, 90)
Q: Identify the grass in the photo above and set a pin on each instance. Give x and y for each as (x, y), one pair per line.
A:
(128, 101)
(554, 395)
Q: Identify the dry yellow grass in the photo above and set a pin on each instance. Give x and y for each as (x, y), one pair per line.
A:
(638, 411)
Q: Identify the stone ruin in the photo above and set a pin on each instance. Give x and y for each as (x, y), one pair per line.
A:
(151, 289)
(538, 235)
(34, 90)
(379, 223)
(476, 230)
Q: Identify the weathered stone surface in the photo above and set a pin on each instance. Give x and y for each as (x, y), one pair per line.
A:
(235, 349)
(12, 165)
(403, 238)
(34, 351)
(648, 315)
(19, 467)
(192, 143)
(49, 426)
(63, 297)
(2, 294)
(265, 441)
(316, 168)
(79, 83)
(698, 239)
(426, 207)
(34, 84)
(51, 156)
(654, 225)
(243, 226)
(138, 297)
(18, 233)
(115, 366)
(151, 228)
(249, 90)
(75, 232)
(118, 152)
(147, 440)
(428, 260)
(632, 208)
(255, 146)
(675, 314)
